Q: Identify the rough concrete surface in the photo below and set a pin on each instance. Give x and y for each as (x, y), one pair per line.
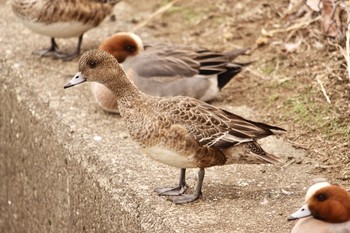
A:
(56, 177)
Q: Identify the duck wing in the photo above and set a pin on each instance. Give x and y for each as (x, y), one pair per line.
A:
(217, 128)
(170, 60)
(150, 65)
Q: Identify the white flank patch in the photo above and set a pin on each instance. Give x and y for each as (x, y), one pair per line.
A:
(59, 29)
(213, 89)
(170, 157)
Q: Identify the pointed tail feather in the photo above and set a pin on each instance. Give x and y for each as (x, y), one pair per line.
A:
(256, 149)
(232, 69)
(235, 53)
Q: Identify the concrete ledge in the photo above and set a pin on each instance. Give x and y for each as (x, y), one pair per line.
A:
(43, 189)
(56, 177)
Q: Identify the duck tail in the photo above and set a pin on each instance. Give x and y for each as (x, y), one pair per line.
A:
(259, 152)
(232, 69)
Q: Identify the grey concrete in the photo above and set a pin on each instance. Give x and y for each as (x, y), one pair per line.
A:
(56, 177)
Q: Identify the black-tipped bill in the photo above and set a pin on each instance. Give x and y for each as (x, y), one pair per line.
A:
(303, 212)
(78, 78)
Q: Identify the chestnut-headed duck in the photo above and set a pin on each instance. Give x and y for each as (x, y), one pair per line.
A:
(62, 19)
(162, 69)
(326, 210)
(179, 131)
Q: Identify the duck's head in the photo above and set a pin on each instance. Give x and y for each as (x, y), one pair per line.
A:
(325, 202)
(96, 66)
(122, 45)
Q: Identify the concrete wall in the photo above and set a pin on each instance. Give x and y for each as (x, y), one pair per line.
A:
(42, 188)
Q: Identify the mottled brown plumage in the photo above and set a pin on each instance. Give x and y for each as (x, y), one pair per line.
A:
(62, 19)
(178, 131)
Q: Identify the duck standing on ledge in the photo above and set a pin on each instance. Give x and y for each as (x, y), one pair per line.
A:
(62, 19)
(178, 131)
(163, 69)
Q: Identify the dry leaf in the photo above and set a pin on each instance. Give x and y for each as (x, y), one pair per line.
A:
(315, 5)
(329, 23)
(291, 47)
(262, 40)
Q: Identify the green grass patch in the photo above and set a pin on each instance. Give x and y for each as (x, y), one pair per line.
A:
(267, 70)
(190, 16)
(321, 117)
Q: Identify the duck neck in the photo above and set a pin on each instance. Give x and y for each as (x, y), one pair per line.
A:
(125, 91)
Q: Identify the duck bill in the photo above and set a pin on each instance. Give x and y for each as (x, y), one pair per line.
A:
(78, 78)
(303, 212)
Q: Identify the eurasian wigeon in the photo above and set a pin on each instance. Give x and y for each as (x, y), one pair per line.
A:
(162, 69)
(62, 19)
(326, 210)
(179, 131)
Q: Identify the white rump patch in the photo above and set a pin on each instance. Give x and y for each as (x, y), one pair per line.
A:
(213, 89)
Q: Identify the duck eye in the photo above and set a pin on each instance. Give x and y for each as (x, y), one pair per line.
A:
(92, 64)
(321, 197)
(130, 48)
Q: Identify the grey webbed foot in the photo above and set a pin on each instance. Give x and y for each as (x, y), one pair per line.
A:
(179, 197)
(53, 51)
(171, 191)
(174, 191)
(185, 198)
(67, 57)
(76, 53)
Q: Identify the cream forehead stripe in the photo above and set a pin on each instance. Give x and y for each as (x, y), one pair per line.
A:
(314, 188)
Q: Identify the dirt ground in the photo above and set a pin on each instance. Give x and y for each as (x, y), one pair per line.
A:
(282, 85)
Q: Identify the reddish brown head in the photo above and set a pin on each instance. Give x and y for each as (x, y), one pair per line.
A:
(122, 45)
(330, 204)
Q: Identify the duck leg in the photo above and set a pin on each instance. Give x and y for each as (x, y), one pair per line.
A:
(177, 190)
(186, 198)
(69, 57)
(50, 52)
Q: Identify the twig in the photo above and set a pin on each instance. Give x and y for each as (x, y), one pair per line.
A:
(290, 28)
(256, 73)
(323, 90)
(347, 58)
(153, 15)
(298, 145)
(288, 164)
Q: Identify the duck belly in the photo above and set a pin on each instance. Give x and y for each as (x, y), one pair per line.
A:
(58, 29)
(170, 157)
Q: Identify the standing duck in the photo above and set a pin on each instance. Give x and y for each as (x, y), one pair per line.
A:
(62, 19)
(162, 69)
(326, 210)
(179, 131)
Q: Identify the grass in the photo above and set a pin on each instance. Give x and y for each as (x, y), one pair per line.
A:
(314, 113)
(267, 70)
(192, 15)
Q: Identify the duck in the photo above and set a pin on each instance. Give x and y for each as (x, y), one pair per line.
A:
(178, 131)
(162, 69)
(62, 19)
(326, 210)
